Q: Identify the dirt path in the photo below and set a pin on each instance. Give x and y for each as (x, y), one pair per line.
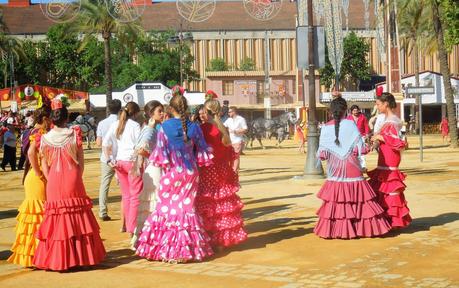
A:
(282, 251)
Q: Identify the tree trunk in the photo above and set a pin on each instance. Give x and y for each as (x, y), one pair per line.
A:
(108, 69)
(443, 58)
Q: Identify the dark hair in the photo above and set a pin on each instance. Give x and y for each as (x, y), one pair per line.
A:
(150, 108)
(40, 114)
(389, 98)
(234, 108)
(196, 113)
(114, 106)
(179, 103)
(338, 107)
(128, 112)
(60, 116)
(354, 107)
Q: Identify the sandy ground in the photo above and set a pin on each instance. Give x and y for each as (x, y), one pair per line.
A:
(282, 250)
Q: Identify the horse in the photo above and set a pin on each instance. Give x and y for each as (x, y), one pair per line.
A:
(87, 125)
(259, 127)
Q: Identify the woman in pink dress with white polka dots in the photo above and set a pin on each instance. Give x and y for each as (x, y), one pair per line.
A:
(174, 232)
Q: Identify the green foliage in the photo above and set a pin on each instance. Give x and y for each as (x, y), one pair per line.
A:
(154, 62)
(247, 64)
(355, 66)
(450, 19)
(57, 61)
(218, 64)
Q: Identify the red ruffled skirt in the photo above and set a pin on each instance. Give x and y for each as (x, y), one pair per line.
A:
(219, 205)
(69, 236)
(389, 185)
(349, 210)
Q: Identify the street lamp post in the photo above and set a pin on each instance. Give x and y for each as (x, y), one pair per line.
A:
(180, 39)
(312, 168)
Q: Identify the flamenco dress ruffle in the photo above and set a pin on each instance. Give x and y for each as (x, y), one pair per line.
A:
(174, 232)
(30, 214)
(349, 211)
(390, 186)
(219, 205)
(69, 234)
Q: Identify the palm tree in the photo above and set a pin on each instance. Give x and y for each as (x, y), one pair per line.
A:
(413, 25)
(10, 48)
(412, 20)
(94, 18)
(444, 68)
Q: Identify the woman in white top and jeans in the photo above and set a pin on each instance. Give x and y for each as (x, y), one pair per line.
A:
(126, 132)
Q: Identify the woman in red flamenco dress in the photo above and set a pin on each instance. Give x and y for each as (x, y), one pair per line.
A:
(444, 129)
(69, 234)
(349, 208)
(217, 202)
(387, 179)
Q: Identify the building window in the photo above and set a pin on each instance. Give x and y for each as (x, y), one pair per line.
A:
(228, 87)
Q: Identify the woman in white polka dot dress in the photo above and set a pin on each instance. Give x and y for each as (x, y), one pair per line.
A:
(174, 232)
(217, 202)
(152, 174)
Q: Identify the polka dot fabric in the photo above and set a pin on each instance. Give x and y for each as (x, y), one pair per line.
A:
(217, 202)
(174, 232)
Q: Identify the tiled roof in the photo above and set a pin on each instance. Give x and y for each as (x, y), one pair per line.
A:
(164, 16)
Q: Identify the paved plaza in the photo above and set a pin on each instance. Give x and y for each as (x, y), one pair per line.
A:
(282, 250)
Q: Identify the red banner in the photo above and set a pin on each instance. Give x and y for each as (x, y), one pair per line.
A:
(50, 92)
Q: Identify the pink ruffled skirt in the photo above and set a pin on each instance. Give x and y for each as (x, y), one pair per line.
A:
(349, 210)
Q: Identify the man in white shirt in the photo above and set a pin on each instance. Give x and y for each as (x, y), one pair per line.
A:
(106, 171)
(237, 127)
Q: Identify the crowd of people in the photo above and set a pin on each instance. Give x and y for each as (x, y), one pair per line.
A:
(179, 182)
(12, 124)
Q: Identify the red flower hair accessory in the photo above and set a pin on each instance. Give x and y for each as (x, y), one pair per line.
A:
(56, 103)
(379, 91)
(59, 101)
(178, 90)
(211, 95)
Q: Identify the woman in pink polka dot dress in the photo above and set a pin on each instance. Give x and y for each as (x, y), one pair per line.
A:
(217, 202)
(174, 232)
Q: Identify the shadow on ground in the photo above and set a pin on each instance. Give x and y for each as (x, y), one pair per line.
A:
(119, 257)
(5, 254)
(417, 171)
(268, 179)
(253, 213)
(256, 201)
(426, 223)
(12, 213)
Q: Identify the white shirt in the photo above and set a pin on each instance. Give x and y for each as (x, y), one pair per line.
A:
(236, 123)
(102, 130)
(379, 122)
(126, 143)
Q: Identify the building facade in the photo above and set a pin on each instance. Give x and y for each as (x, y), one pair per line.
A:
(231, 34)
